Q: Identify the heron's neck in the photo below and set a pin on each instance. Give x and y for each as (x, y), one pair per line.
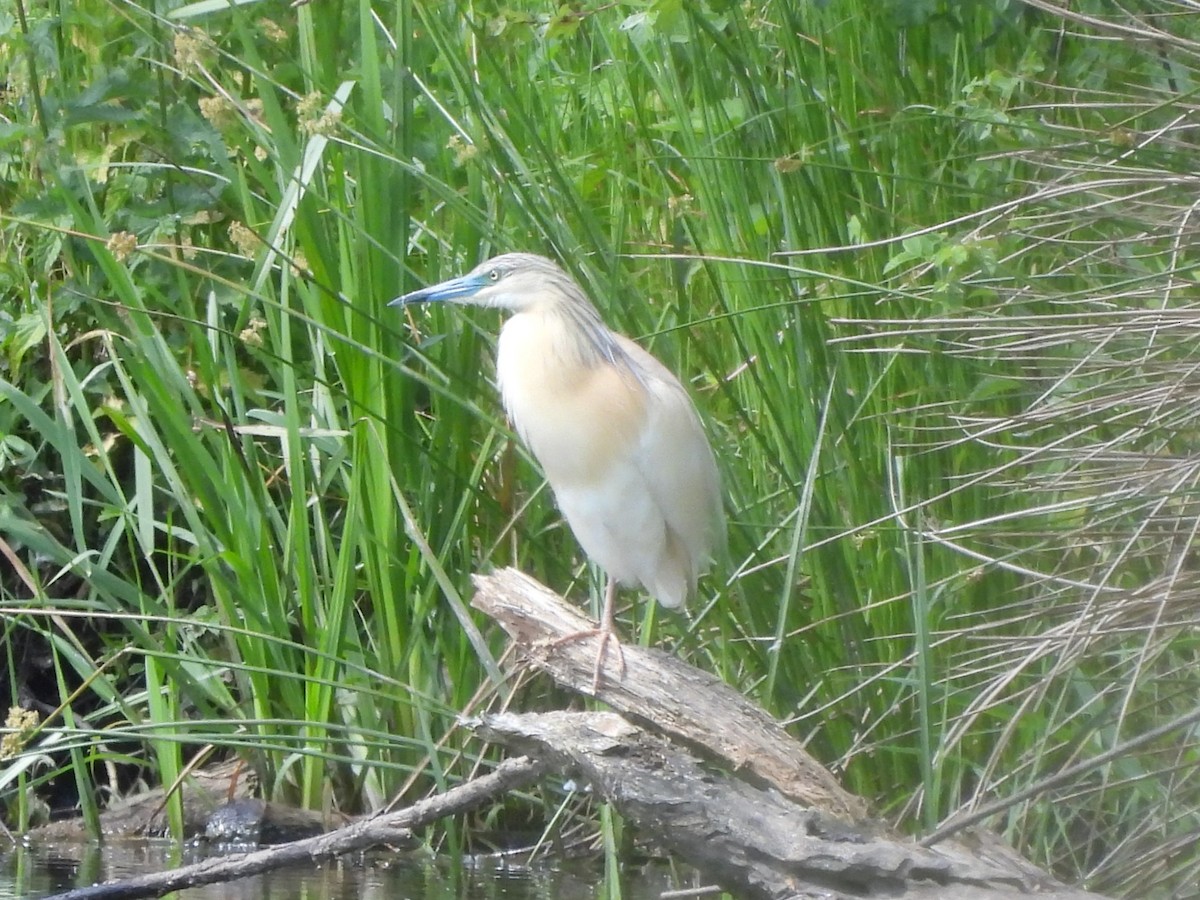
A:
(566, 335)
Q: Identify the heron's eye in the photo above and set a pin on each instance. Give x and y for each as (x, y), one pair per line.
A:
(494, 275)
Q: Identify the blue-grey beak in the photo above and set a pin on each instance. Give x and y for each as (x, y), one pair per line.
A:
(454, 289)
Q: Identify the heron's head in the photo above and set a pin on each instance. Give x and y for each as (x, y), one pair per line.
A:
(517, 282)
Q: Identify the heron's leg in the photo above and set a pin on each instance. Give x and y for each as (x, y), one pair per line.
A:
(608, 632)
(608, 614)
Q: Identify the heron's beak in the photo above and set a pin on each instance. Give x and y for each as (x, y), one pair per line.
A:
(454, 289)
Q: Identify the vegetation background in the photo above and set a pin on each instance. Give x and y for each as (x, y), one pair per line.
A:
(929, 267)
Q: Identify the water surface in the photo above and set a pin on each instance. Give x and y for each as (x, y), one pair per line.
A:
(40, 870)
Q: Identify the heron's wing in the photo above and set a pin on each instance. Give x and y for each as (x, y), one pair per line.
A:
(677, 462)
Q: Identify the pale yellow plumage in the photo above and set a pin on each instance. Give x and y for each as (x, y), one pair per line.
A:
(615, 432)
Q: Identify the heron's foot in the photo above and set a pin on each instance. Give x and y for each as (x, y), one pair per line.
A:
(607, 636)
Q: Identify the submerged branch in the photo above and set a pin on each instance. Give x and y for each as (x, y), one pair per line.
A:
(391, 828)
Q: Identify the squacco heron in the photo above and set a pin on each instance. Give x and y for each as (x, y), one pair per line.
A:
(614, 431)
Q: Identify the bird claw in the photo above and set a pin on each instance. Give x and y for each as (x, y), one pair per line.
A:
(598, 671)
(605, 635)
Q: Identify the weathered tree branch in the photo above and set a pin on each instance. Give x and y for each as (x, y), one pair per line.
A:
(678, 700)
(774, 825)
(753, 841)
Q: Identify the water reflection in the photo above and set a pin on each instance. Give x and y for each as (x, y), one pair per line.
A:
(44, 869)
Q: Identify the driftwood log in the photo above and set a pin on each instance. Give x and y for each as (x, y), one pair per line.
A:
(773, 824)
